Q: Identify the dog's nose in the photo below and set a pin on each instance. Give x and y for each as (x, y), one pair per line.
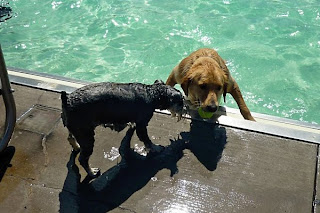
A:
(211, 108)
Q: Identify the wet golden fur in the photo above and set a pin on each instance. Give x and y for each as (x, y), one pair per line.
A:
(205, 78)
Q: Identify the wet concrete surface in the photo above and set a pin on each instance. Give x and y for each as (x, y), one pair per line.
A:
(203, 168)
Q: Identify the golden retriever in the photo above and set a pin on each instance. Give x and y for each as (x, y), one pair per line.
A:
(204, 78)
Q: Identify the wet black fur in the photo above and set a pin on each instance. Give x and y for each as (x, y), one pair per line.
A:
(114, 105)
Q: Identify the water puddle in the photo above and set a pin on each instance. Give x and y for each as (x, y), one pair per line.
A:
(140, 150)
(112, 155)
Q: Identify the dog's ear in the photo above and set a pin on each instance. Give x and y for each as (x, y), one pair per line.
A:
(225, 87)
(227, 79)
(158, 82)
(185, 85)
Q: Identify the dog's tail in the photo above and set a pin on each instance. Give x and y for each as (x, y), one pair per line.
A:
(64, 100)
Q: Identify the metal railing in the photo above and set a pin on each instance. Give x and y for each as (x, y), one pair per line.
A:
(10, 107)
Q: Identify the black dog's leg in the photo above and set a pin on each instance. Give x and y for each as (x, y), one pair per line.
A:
(142, 134)
(124, 149)
(86, 140)
(73, 143)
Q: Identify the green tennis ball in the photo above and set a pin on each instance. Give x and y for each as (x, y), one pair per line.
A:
(203, 114)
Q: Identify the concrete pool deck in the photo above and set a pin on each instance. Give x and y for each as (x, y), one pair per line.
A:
(233, 166)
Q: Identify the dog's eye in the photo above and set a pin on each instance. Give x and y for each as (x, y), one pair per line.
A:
(219, 88)
(203, 86)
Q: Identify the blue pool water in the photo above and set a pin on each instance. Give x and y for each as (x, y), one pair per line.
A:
(272, 47)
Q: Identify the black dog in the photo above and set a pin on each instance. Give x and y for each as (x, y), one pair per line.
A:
(114, 105)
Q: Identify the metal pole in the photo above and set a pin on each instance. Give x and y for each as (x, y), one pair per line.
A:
(9, 103)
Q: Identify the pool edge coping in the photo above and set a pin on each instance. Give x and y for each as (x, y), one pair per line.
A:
(230, 117)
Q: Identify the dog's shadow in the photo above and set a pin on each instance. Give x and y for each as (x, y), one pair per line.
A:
(205, 140)
(117, 184)
(5, 158)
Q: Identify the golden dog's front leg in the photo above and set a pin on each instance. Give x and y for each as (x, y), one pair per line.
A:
(171, 81)
(244, 110)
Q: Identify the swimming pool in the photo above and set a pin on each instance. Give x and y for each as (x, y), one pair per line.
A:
(272, 47)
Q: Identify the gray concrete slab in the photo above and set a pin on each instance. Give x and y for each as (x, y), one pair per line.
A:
(204, 168)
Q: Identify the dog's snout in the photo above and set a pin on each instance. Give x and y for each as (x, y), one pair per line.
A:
(211, 108)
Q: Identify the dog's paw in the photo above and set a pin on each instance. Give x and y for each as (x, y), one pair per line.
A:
(131, 125)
